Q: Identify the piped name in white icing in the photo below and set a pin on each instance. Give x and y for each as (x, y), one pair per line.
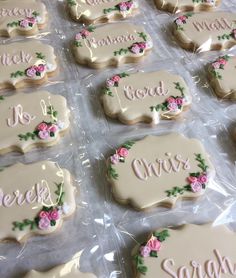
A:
(139, 94)
(108, 40)
(19, 116)
(213, 268)
(144, 169)
(24, 12)
(217, 24)
(7, 59)
(39, 193)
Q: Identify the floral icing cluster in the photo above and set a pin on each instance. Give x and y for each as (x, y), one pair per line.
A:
(44, 130)
(137, 47)
(196, 182)
(219, 64)
(123, 7)
(114, 82)
(181, 20)
(172, 104)
(119, 156)
(48, 216)
(28, 22)
(150, 249)
(33, 71)
(83, 34)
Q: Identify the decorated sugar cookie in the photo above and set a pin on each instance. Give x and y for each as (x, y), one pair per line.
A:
(98, 11)
(111, 45)
(32, 120)
(24, 63)
(176, 6)
(205, 31)
(145, 97)
(34, 199)
(222, 76)
(206, 251)
(24, 17)
(159, 170)
(67, 270)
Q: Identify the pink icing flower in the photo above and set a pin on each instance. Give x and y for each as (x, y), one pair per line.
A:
(115, 159)
(123, 7)
(135, 48)
(43, 134)
(78, 37)
(31, 20)
(44, 223)
(84, 33)
(52, 128)
(179, 101)
(196, 186)
(110, 83)
(30, 72)
(203, 178)
(116, 78)
(222, 61)
(129, 4)
(154, 244)
(191, 179)
(178, 22)
(182, 18)
(145, 251)
(171, 100)
(42, 126)
(123, 152)
(54, 215)
(43, 214)
(216, 65)
(142, 45)
(24, 23)
(41, 68)
(172, 106)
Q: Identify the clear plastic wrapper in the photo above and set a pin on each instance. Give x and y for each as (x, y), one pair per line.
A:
(101, 229)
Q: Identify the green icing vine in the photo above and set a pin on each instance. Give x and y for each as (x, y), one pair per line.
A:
(196, 181)
(172, 103)
(71, 2)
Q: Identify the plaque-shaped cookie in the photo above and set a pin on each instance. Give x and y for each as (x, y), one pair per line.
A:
(24, 17)
(222, 74)
(111, 45)
(176, 6)
(205, 31)
(24, 63)
(159, 170)
(145, 97)
(93, 11)
(32, 120)
(187, 251)
(34, 199)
